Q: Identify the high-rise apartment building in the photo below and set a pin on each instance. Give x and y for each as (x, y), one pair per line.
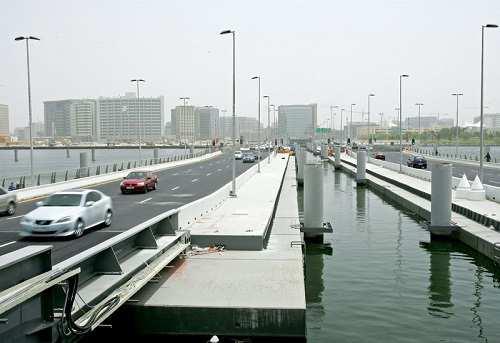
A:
(297, 121)
(76, 118)
(121, 118)
(246, 127)
(491, 120)
(185, 123)
(4, 120)
(208, 117)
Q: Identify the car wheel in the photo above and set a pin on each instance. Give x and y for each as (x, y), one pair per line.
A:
(11, 208)
(79, 227)
(146, 189)
(108, 217)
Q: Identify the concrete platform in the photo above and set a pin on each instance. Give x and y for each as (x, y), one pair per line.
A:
(232, 293)
(414, 194)
(241, 223)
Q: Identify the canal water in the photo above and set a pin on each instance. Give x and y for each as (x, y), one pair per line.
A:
(47, 160)
(381, 279)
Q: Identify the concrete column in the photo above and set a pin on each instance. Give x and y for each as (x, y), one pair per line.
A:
(155, 154)
(337, 156)
(16, 157)
(313, 201)
(441, 199)
(301, 158)
(67, 152)
(361, 167)
(84, 160)
(93, 154)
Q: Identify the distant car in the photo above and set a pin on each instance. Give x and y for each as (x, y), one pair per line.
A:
(317, 151)
(8, 202)
(379, 156)
(248, 158)
(139, 181)
(238, 155)
(415, 161)
(68, 213)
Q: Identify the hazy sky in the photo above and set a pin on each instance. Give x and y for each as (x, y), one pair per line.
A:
(325, 52)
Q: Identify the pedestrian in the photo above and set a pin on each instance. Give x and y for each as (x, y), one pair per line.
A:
(12, 187)
(488, 157)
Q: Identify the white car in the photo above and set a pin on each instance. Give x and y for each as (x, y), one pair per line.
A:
(238, 155)
(68, 213)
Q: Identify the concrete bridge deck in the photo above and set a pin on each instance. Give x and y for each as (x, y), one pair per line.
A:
(233, 292)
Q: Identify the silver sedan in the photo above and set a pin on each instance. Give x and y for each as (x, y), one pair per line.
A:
(68, 213)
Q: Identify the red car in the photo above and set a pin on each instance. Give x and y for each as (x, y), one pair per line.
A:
(139, 181)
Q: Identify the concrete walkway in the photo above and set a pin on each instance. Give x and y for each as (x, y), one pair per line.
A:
(414, 194)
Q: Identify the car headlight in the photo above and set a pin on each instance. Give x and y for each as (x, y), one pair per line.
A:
(64, 220)
(140, 184)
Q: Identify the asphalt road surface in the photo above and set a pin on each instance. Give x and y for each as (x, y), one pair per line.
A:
(177, 186)
(491, 175)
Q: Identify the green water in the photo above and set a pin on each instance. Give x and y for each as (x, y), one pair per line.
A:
(383, 280)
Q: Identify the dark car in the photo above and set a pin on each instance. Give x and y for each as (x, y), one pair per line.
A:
(379, 156)
(416, 162)
(139, 181)
(248, 158)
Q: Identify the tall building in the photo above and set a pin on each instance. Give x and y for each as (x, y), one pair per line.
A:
(121, 118)
(4, 120)
(208, 117)
(246, 127)
(76, 118)
(490, 120)
(297, 121)
(184, 123)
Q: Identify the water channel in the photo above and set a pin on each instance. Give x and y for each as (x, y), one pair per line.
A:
(382, 279)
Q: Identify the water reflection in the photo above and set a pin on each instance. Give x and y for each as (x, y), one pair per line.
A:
(439, 290)
(476, 316)
(314, 259)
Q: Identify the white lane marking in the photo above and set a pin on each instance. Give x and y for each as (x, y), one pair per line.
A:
(4, 245)
(208, 174)
(10, 218)
(176, 187)
(143, 201)
(201, 167)
(189, 170)
(227, 166)
(219, 169)
(194, 180)
(175, 174)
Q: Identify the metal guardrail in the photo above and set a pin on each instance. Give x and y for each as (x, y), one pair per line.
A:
(23, 181)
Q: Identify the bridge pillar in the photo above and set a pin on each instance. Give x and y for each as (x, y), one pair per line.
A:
(441, 199)
(93, 154)
(84, 163)
(361, 167)
(16, 157)
(67, 152)
(313, 201)
(337, 156)
(155, 154)
(301, 158)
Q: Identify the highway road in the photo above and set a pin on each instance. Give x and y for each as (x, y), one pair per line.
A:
(177, 186)
(491, 175)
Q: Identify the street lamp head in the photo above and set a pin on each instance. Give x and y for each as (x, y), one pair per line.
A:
(491, 25)
(353, 104)
(371, 94)
(265, 96)
(405, 75)
(225, 32)
(33, 37)
(255, 77)
(19, 38)
(137, 80)
(457, 94)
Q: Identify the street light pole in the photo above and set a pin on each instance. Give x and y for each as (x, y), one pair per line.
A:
(258, 128)
(350, 126)
(233, 184)
(400, 122)
(481, 147)
(341, 125)
(419, 104)
(137, 81)
(268, 106)
(369, 130)
(30, 114)
(457, 128)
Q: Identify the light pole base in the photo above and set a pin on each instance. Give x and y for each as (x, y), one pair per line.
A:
(232, 194)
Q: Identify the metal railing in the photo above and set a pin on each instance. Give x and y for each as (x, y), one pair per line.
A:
(23, 181)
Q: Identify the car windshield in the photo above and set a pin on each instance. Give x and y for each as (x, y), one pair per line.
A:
(63, 200)
(419, 159)
(237, 152)
(136, 175)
